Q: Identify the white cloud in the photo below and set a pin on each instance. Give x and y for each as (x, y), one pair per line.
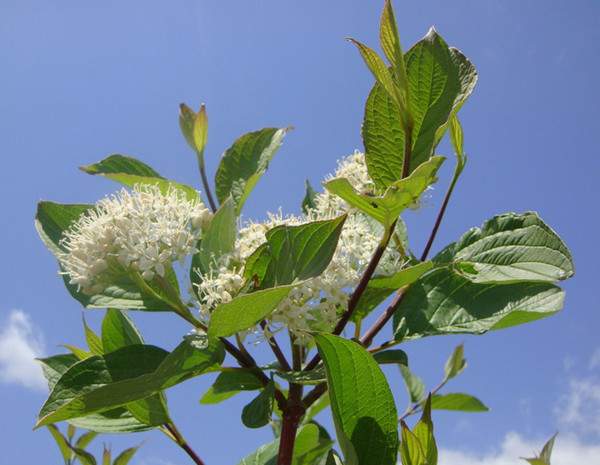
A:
(579, 408)
(595, 359)
(20, 344)
(568, 450)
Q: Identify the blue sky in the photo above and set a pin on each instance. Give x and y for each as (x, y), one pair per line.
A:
(81, 80)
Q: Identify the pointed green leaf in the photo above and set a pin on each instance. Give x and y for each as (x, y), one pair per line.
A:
(443, 302)
(53, 367)
(361, 400)
(393, 356)
(308, 203)
(457, 401)
(118, 331)
(229, 383)
(245, 311)
(390, 44)
(383, 137)
(510, 247)
(217, 240)
(127, 375)
(381, 287)
(433, 86)
(258, 412)
(456, 363)
(81, 354)
(106, 456)
(546, 453)
(243, 164)
(115, 164)
(85, 439)
(380, 71)
(411, 450)
(70, 432)
(414, 384)
(294, 253)
(125, 457)
(423, 430)
(129, 172)
(84, 457)
(194, 127)
(62, 443)
(400, 195)
(93, 341)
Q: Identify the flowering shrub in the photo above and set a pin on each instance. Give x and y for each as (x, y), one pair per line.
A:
(155, 245)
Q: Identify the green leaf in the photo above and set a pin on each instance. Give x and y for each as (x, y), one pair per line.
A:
(381, 72)
(106, 456)
(245, 310)
(361, 400)
(294, 253)
(88, 375)
(383, 137)
(508, 248)
(467, 76)
(440, 80)
(129, 172)
(443, 302)
(118, 331)
(546, 453)
(62, 443)
(456, 138)
(70, 432)
(52, 219)
(456, 363)
(381, 287)
(411, 450)
(333, 458)
(113, 421)
(459, 402)
(229, 383)
(390, 43)
(433, 87)
(81, 354)
(414, 384)
(84, 457)
(308, 203)
(243, 164)
(258, 412)
(93, 341)
(423, 430)
(118, 420)
(53, 367)
(218, 239)
(311, 445)
(115, 164)
(125, 457)
(127, 375)
(394, 356)
(85, 439)
(312, 377)
(151, 411)
(194, 127)
(400, 195)
(307, 440)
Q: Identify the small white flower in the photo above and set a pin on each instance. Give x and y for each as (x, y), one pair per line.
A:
(142, 229)
(317, 303)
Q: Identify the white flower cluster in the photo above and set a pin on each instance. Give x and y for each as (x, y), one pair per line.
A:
(142, 229)
(318, 303)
